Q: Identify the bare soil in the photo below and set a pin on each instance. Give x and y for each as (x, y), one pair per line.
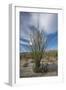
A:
(26, 69)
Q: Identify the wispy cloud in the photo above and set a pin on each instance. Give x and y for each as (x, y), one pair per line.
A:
(47, 22)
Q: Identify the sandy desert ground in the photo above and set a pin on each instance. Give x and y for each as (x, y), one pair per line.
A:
(27, 71)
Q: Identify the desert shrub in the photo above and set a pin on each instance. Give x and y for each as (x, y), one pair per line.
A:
(38, 45)
(25, 65)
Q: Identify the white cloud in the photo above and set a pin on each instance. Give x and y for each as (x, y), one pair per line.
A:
(47, 22)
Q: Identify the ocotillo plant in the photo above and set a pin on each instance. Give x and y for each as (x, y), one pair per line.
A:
(38, 43)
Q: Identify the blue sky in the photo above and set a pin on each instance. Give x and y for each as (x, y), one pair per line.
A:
(47, 22)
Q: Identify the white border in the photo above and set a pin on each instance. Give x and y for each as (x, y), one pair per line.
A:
(15, 46)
